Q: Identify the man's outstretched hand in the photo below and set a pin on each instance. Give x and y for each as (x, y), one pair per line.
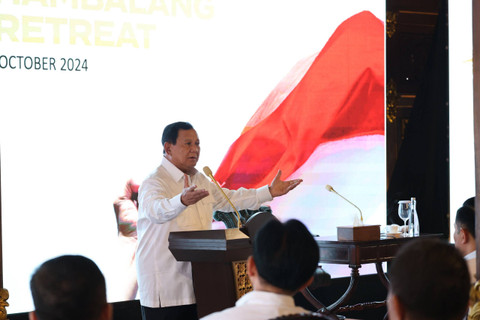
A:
(191, 195)
(279, 188)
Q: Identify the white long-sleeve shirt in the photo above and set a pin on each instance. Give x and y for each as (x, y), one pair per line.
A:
(163, 281)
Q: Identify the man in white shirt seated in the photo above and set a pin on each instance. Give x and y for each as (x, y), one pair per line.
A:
(285, 257)
(464, 236)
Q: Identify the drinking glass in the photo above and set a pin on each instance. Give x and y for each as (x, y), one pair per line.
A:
(404, 208)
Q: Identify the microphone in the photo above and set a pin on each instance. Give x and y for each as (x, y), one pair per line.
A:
(330, 188)
(208, 172)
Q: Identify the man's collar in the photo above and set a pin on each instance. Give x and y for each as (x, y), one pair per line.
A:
(471, 255)
(176, 173)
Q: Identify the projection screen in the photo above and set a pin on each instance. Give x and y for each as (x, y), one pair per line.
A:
(87, 87)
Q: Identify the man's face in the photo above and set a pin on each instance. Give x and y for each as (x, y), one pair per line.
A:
(185, 153)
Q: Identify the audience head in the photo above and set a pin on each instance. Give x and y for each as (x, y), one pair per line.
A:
(465, 219)
(69, 287)
(464, 233)
(429, 279)
(470, 202)
(170, 133)
(285, 256)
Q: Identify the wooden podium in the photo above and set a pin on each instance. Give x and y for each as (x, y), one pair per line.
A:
(218, 260)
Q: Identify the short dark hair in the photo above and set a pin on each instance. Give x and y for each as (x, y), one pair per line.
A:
(285, 254)
(431, 280)
(470, 202)
(466, 219)
(68, 287)
(170, 133)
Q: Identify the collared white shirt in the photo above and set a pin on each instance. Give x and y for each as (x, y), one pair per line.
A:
(471, 255)
(163, 281)
(259, 305)
(471, 260)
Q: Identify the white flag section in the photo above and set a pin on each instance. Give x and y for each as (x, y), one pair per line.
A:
(87, 87)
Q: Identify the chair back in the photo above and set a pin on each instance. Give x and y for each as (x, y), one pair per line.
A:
(255, 222)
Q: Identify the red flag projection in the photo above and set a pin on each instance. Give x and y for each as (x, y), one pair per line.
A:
(340, 96)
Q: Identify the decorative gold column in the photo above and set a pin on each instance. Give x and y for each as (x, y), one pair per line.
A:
(3, 303)
(391, 23)
(242, 281)
(392, 100)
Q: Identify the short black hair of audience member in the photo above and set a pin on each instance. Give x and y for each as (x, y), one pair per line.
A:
(470, 202)
(69, 287)
(431, 280)
(465, 219)
(285, 254)
(170, 133)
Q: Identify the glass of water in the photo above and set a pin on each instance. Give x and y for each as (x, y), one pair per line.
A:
(404, 208)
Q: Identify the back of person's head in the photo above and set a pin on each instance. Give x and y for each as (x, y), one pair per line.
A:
(170, 133)
(430, 279)
(470, 202)
(68, 287)
(285, 254)
(465, 219)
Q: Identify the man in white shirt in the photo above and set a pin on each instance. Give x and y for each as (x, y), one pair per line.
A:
(464, 236)
(284, 260)
(176, 197)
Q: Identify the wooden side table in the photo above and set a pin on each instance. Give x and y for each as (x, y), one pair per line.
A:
(354, 254)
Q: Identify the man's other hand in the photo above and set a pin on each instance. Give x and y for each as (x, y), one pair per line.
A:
(279, 188)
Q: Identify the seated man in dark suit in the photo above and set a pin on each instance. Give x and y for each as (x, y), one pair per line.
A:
(69, 287)
(429, 280)
(285, 257)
